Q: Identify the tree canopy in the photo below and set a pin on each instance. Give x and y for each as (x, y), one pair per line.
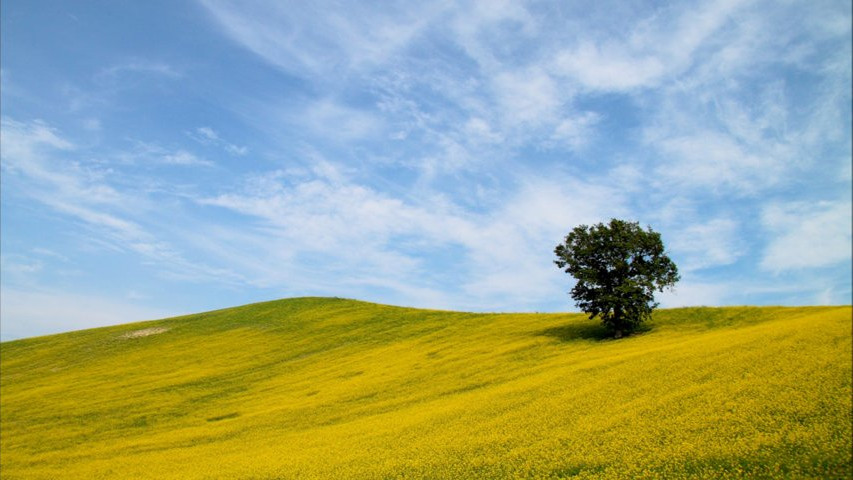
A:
(618, 266)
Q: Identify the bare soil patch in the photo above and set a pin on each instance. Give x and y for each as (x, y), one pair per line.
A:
(145, 332)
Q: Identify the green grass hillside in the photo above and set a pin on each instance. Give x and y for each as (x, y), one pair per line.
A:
(318, 388)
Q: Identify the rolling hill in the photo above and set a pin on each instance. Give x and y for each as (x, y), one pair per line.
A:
(333, 389)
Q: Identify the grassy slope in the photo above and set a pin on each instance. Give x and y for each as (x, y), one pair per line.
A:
(329, 388)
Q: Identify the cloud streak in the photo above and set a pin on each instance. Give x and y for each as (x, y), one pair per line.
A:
(807, 235)
(500, 255)
(34, 155)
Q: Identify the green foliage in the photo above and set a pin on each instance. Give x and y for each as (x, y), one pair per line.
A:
(618, 267)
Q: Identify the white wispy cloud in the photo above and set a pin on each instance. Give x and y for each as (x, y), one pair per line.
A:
(24, 138)
(480, 132)
(339, 122)
(649, 51)
(716, 160)
(527, 97)
(13, 264)
(36, 151)
(477, 26)
(713, 243)
(152, 154)
(37, 157)
(577, 131)
(209, 136)
(205, 134)
(500, 256)
(183, 157)
(139, 67)
(294, 37)
(807, 235)
(45, 252)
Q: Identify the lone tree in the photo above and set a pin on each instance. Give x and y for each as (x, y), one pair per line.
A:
(618, 267)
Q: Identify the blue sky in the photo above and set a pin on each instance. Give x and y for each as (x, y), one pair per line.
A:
(168, 157)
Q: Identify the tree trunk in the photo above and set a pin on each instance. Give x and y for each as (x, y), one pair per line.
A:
(617, 320)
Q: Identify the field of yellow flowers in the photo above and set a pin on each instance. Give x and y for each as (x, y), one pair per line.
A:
(319, 388)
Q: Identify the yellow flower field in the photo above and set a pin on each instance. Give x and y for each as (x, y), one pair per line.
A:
(318, 388)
